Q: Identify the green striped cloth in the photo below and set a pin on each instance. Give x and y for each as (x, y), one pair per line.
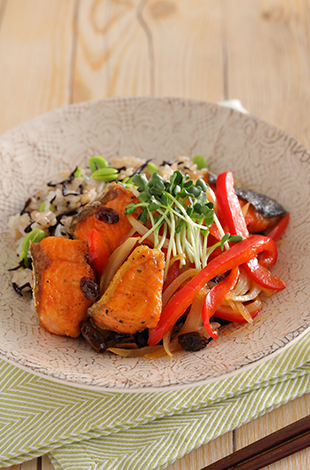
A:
(97, 431)
(92, 430)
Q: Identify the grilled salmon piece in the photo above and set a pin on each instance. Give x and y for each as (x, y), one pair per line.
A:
(133, 300)
(59, 265)
(256, 221)
(114, 231)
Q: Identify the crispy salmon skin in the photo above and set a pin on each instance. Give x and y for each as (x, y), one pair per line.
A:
(116, 197)
(263, 212)
(133, 300)
(59, 264)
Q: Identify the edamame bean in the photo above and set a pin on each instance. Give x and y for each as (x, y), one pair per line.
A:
(43, 207)
(35, 236)
(200, 162)
(127, 182)
(105, 174)
(96, 163)
(110, 178)
(152, 168)
(77, 173)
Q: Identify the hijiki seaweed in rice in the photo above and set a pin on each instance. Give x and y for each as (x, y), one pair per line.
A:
(146, 260)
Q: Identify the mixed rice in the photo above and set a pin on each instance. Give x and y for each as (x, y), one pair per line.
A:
(52, 208)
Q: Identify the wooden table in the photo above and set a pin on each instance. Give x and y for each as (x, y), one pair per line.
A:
(55, 52)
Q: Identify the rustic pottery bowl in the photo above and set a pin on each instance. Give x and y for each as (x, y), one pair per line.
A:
(262, 157)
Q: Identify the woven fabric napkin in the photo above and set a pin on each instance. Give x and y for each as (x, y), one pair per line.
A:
(89, 430)
(94, 431)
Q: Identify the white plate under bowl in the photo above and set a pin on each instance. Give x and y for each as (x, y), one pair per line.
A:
(261, 156)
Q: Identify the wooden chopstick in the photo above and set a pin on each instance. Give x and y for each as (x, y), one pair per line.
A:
(270, 449)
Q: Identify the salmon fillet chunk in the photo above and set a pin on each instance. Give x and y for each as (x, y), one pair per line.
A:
(133, 300)
(114, 231)
(59, 264)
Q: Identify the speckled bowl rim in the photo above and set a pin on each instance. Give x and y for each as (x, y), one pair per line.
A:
(54, 375)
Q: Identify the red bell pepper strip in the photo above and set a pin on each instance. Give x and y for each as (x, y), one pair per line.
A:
(172, 274)
(261, 276)
(215, 297)
(279, 229)
(229, 203)
(234, 218)
(238, 254)
(214, 231)
(98, 250)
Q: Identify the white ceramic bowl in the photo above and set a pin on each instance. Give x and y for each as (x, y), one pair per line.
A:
(261, 156)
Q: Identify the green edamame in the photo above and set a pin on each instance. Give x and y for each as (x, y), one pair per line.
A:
(105, 174)
(77, 173)
(152, 168)
(43, 207)
(96, 163)
(35, 236)
(200, 162)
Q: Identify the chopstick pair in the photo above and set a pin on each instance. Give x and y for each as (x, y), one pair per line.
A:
(270, 449)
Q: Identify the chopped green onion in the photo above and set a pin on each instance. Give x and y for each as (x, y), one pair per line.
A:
(200, 162)
(96, 163)
(105, 174)
(77, 173)
(152, 168)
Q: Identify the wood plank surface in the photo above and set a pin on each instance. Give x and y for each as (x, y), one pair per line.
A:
(112, 56)
(186, 42)
(268, 67)
(35, 49)
(66, 51)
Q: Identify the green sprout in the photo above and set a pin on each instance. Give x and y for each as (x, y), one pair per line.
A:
(182, 208)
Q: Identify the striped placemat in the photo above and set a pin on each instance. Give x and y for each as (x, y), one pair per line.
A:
(92, 430)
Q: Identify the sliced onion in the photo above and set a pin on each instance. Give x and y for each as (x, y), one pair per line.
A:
(134, 352)
(251, 295)
(211, 197)
(127, 346)
(135, 192)
(174, 286)
(239, 307)
(192, 323)
(193, 320)
(180, 256)
(245, 208)
(254, 306)
(251, 307)
(174, 347)
(166, 343)
(142, 229)
(243, 284)
(115, 261)
(203, 332)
